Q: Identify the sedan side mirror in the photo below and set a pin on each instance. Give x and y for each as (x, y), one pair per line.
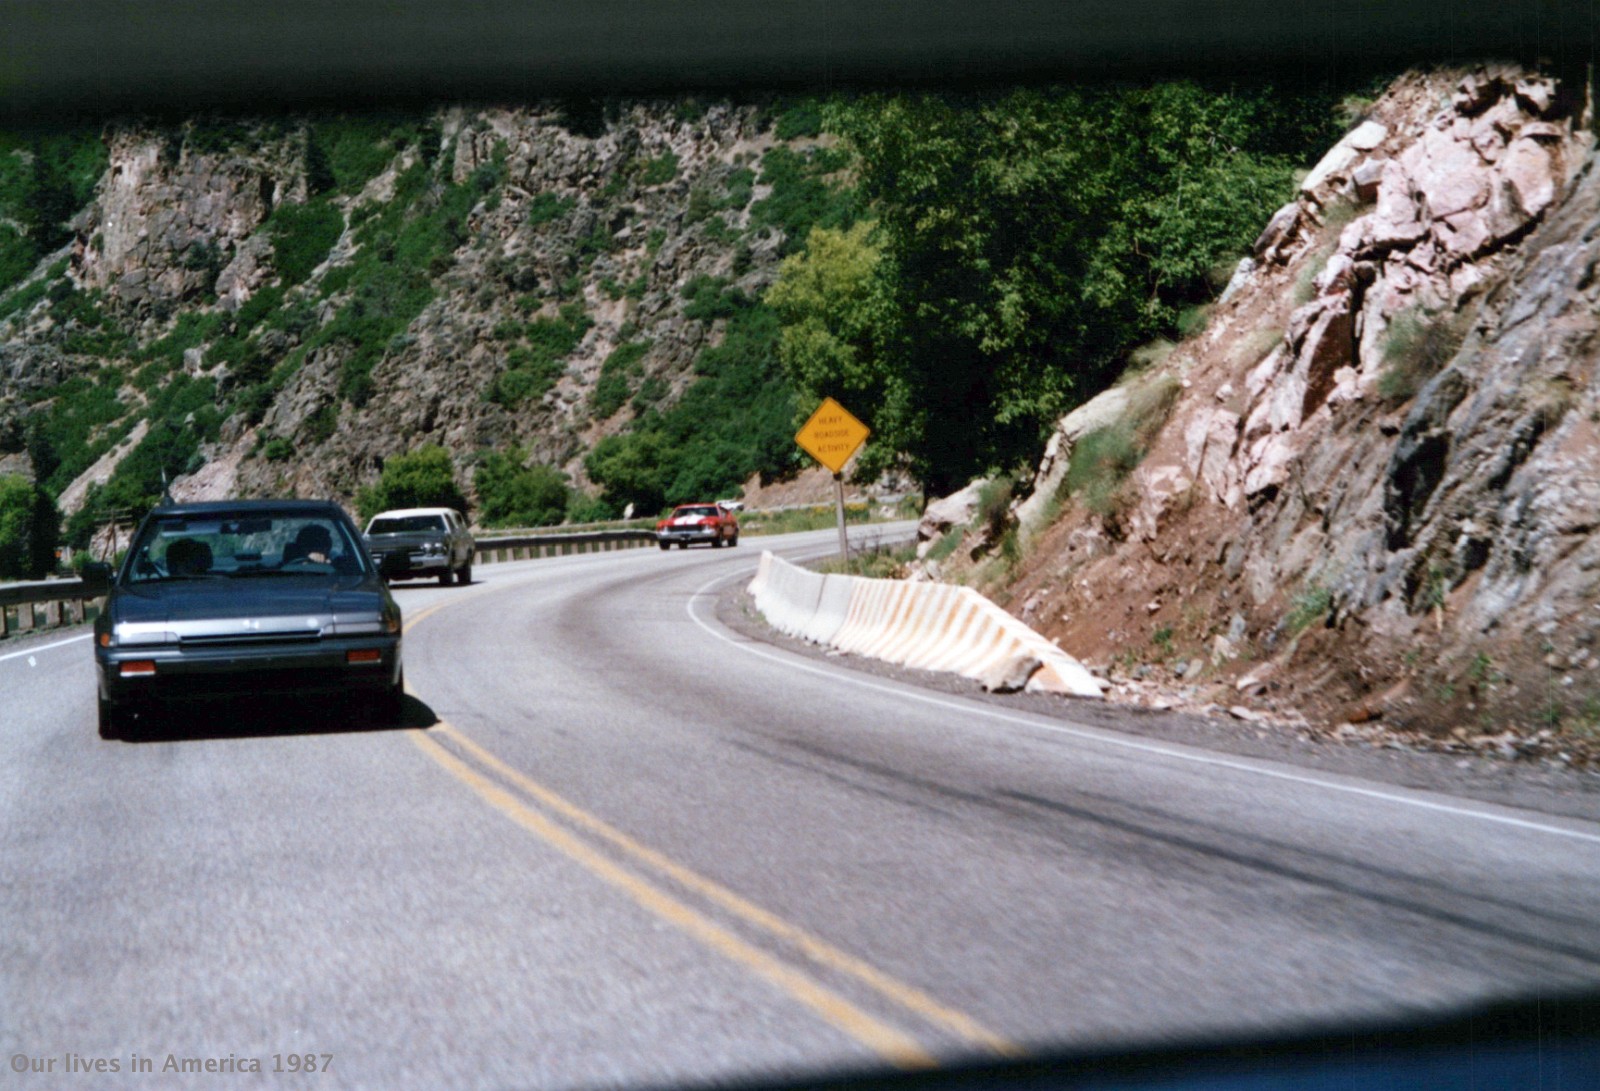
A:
(96, 577)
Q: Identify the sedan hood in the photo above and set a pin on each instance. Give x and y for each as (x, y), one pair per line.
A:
(227, 606)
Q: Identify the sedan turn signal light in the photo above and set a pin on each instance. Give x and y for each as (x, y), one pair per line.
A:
(363, 655)
(137, 668)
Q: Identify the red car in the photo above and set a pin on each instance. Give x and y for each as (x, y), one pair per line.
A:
(688, 523)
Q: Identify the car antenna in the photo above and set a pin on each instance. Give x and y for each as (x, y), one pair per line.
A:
(166, 490)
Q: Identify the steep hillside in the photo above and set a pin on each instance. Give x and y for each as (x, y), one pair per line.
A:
(281, 306)
(1369, 489)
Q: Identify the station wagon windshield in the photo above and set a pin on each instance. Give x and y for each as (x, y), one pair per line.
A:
(407, 524)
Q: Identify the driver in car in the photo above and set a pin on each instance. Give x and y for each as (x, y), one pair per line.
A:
(313, 543)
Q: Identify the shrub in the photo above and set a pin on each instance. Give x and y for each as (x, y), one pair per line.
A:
(994, 503)
(615, 384)
(547, 207)
(801, 119)
(511, 494)
(583, 508)
(660, 170)
(30, 527)
(344, 153)
(421, 479)
(710, 298)
(302, 235)
(277, 449)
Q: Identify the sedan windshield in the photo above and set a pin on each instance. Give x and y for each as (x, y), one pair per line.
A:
(227, 546)
(695, 511)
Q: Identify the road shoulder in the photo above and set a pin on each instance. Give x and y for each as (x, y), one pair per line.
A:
(1538, 785)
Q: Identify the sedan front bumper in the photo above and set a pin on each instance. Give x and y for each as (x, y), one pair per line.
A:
(160, 674)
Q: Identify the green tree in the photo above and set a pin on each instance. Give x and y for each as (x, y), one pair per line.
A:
(832, 299)
(512, 494)
(1025, 242)
(424, 478)
(630, 469)
(30, 529)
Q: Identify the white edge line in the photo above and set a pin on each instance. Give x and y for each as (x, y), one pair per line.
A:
(1110, 739)
(45, 647)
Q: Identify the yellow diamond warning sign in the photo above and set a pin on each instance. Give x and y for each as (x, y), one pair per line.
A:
(832, 435)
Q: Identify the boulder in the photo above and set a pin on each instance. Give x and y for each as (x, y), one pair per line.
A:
(1330, 167)
(1529, 174)
(1366, 178)
(955, 510)
(1010, 675)
(1278, 237)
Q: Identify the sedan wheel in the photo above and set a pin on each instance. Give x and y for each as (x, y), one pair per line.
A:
(446, 578)
(464, 577)
(112, 720)
(664, 546)
(388, 705)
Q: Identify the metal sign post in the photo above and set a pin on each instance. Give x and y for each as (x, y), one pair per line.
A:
(831, 436)
(844, 543)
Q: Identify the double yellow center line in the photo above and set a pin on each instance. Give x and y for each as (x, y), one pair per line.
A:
(582, 836)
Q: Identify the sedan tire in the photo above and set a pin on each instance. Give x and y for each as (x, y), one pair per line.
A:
(464, 577)
(446, 578)
(388, 705)
(664, 546)
(113, 720)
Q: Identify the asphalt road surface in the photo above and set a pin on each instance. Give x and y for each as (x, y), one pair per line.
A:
(618, 844)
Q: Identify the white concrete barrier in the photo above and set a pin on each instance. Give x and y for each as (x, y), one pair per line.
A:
(929, 626)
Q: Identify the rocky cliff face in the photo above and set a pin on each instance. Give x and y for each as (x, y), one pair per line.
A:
(1377, 494)
(333, 316)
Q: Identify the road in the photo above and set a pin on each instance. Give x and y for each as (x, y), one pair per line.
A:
(617, 843)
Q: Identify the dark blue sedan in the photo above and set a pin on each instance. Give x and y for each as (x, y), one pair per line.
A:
(246, 599)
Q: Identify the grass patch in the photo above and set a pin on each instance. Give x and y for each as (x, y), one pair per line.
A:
(877, 562)
(1308, 607)
(1417, 345)
(795, 520)
(946, 545)
(1192, 320)
(1102, 459)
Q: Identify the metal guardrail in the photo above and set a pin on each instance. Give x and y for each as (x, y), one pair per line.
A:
(43, 604)
(527, 546)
